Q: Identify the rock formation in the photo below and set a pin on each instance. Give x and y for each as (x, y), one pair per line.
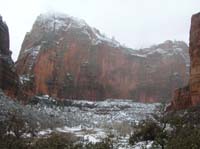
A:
(64, 57)
(194, 51)
(190, 95)
(8, 76)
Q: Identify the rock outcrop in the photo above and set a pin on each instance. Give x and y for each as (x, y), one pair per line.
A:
(190, 95)
(194, 51)
(66, 58)
(8, 75)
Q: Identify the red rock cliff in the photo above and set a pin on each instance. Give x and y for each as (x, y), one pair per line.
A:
(194, 51)
(8, 76)
(66, 58)
(190, 95)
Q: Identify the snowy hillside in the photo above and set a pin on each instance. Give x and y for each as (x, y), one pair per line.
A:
(91, 121)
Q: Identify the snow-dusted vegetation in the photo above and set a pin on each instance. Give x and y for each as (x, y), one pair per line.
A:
(91, 122)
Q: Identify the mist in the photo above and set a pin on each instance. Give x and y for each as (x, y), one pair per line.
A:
(134, 23)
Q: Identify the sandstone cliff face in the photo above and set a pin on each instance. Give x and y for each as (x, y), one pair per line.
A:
(190, 95)
(194, 51)
(8, 76)
(66, 58)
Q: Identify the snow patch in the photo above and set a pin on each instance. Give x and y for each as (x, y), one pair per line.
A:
(87, 33)
(33, 50)
(24, 78)
(33, 53)
(143, 144)
(101, 37)
(55, 21)
(44, 132)
(139, 55)
(91, 138)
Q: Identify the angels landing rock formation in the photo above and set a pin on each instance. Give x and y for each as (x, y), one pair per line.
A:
(64, 57)
(190, 95)
(8, 76)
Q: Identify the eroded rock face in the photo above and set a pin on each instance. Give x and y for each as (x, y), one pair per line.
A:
(190, 96)
(66, 58)
(194, 50)
(8, 76)
(181, 99)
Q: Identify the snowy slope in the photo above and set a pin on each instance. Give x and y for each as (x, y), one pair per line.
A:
(94, 121)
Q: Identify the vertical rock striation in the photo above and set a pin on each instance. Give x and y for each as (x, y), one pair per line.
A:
(194, 51)
(190, 95)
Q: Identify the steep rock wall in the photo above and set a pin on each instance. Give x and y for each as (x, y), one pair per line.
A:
(66, 58)
(190, 95)
(8, 76)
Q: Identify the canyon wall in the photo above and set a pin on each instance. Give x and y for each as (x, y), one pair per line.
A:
(8, 77)
(190, 95)
(194, 51)
(64, 57)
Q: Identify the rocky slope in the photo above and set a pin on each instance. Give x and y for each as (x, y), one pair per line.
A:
(64, 57)
(8, 75)
(190, 95)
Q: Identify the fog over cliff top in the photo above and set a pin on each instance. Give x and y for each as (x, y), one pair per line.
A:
(136, 23)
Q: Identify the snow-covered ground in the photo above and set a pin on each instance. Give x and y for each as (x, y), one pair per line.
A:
(96, 114)
(90, 121)
(94, 121)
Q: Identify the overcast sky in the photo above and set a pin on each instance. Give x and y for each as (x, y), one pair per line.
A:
(135, 23)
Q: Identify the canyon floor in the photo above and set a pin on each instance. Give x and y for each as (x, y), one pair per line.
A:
(91, 121)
